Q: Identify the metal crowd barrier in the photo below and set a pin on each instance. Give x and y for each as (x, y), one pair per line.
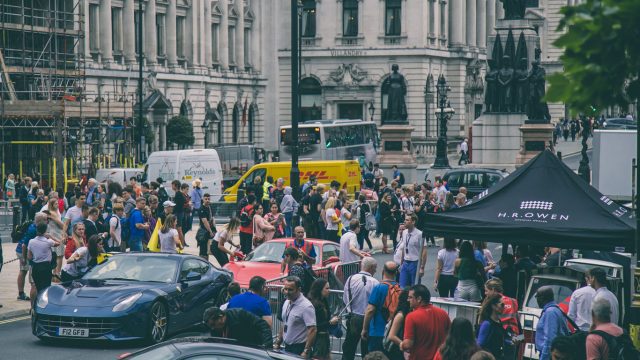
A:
(344, 270)
(468, 311)
(6, 215)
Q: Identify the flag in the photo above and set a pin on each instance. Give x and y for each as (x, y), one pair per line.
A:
(244, 113)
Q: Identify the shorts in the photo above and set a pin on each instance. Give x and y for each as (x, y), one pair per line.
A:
(59, 250)
(25, 266)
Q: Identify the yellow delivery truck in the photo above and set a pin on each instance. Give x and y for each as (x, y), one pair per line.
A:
(346, 172)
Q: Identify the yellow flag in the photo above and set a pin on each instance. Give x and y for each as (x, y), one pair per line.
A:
(154, 241)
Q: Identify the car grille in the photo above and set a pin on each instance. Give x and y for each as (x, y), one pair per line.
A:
(97, 326)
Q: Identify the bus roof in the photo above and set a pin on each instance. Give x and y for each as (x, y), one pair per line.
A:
(321, 123)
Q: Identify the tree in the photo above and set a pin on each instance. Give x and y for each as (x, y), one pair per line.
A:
(149, 135)
(180, 132)
(601, 58)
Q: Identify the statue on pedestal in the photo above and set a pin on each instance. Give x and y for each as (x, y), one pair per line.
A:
(396, 92)
(537, 109)
(505, 86)
(491, 94)
(521, 86)
(513, 9)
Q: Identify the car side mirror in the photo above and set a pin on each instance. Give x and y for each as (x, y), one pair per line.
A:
(331, 260)
(192, 276)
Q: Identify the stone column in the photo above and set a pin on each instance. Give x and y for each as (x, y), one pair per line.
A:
(491, 17)
(471, 23)
(481, 24)
(129, 31)
(106, 48)
(256, 31)
(172, 50)
(456, 22)
(240, 37)
(208, 55)
(150, 41)
(86, 42)
(223, 37)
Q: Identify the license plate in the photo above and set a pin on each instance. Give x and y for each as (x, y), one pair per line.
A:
(73, 332)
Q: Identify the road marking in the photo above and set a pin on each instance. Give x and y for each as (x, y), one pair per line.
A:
(15, 319)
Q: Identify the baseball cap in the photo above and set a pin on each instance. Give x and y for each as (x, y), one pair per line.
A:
(168, 203)
(159, 180)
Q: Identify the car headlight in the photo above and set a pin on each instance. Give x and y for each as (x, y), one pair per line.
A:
(127, 302)
(43, 299)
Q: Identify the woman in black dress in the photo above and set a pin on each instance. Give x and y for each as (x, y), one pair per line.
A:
(386, 220)
(319, 295)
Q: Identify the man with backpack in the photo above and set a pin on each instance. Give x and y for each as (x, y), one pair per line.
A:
(383, 303)
(603, 341)
(552, 322)
(246, 225)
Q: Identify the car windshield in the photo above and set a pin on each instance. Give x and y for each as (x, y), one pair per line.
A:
(271, 252)
(582, 267)
(562, 290)
(135, 268)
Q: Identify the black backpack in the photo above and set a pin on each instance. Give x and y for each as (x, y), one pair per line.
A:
(245, 217)
(620, 347)
(19, 231)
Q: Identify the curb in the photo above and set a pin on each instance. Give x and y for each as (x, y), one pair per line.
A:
(14, 314)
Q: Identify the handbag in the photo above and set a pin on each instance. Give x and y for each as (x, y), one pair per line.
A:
(336, 330)
(370, 222)
(257, 240)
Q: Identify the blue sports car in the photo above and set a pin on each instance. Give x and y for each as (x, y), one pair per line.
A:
(131, 296)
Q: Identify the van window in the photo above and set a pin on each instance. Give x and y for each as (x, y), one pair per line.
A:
(252, 175)
(454, 179)
(493, 179)
(474, 179)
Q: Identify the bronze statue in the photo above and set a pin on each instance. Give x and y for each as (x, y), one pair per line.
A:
(491, 105)
(397, 90)
(513, 9)
(505, 86)
(537, 109)
(521, 86)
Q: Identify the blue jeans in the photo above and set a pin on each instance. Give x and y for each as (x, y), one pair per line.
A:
(288, 217)
(408, 272)
(135, 243)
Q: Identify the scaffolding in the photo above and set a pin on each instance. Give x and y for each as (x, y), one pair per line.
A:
(52, 128)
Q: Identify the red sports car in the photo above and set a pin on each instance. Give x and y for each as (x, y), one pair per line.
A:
(265, 260)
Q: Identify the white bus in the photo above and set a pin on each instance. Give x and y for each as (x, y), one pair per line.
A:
(331, 140)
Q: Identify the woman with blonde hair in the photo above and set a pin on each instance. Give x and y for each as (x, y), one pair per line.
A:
(218, 250)
(55, 229)
(332, 219)
(76, 240)
(168, 236)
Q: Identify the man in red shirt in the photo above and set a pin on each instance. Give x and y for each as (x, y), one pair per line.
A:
(426, 327)
(246, 230)
(509, 318)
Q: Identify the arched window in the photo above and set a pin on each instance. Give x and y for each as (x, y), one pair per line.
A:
(350, 18)
(186, 110)
(308, 18)
(253, 117)
(310, 99)
(222, 111)
(235, 121)
(393, 13)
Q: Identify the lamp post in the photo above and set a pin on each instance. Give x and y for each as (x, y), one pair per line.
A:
(205, 131)
(583, 170)
(294, 176)
(444, 112)
(140, 121)
(372, 110)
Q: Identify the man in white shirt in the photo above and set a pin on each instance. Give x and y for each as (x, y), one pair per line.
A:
(74, 214)
(598, 280)
(115, 229)
(349, 251)
(464, 152)
(357, 290)
(580, 306)
(411, 250)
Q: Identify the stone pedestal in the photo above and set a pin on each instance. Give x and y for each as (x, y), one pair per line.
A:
(495, 140)
(395, 149)
(536, 137)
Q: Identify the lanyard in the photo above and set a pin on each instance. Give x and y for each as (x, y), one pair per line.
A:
(286, 315)
(406, 242)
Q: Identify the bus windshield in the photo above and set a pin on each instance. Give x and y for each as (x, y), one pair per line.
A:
(306, 136)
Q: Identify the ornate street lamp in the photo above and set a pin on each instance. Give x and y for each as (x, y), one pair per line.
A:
(444, 113)
(583, 170)
(372, 110)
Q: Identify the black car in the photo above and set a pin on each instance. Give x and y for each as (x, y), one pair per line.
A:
(475, 180)
(619, 124)
(206, 348)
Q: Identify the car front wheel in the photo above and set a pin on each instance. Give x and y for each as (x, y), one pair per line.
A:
(158, 323)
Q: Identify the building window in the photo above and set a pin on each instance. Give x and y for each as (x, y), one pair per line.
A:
(116, 29)
(443, 19)
(308, 18)
(161, 35)
(350, 18)
(310, 99)
(247, 47)
(232, 44)
(215, 32)
(94, 27)
(392, 17)
(180, 21)
(139, 20)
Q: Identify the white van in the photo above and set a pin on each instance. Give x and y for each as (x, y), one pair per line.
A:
(186, 166)
(117, 175)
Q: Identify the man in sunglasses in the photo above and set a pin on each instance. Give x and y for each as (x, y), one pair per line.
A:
(412, 251)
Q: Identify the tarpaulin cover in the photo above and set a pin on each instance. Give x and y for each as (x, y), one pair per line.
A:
(542, 203)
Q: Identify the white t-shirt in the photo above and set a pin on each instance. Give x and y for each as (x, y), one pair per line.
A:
(116, 227)
(79, 266)
(75, 215)
(448, 259)
(329, 214)
(346, 241)
(40, 247)
(167, 244)
(343, 218)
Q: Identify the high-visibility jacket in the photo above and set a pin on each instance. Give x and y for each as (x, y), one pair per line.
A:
(509, 318)
(265, 190)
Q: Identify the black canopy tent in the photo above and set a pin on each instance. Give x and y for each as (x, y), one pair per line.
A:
(542, 203)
